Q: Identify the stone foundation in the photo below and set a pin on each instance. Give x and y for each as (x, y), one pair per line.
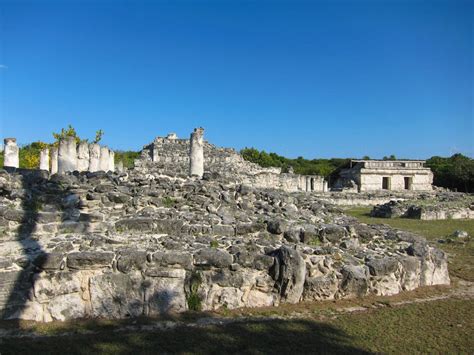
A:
(118, 246)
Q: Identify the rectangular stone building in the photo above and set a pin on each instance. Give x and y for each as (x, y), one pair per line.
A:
(394, 175)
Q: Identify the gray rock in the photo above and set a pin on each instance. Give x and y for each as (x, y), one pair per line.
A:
(355, 282)
(140, 224)
(275, 226)
(131, 260)
(332, 232)
(380, 267)
(213, 257)
(89, 260)
(289, 273)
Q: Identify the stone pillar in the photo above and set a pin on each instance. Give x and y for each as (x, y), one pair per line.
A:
(325, 186)
(83, 156)
(44, 159)
(67, 155)
(308, 183)
(94, 157)
(104, 159)
(54, 160)
(196, 153)
(111, 160)
(11, 153)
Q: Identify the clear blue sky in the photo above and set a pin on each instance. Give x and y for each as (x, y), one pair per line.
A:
(316, 78)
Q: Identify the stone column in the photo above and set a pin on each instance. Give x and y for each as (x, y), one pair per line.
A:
(67, 155)
(104, 159)
(196, 153)
(325, 186)
(83, 156)
(94, 157)
(111, 160)
(44, 159)
(308, 183)
(11, 153)
(54, 160)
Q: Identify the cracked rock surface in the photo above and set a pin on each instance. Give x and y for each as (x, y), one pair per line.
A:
(121, 245)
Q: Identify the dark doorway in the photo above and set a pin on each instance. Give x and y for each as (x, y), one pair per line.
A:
(312, 184)
(386, 183)
(408, 182)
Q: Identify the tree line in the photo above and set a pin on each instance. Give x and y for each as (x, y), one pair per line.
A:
(455, 172)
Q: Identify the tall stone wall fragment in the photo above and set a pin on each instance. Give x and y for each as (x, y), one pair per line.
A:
(83, 156)
(67, 155)
(54, 160)
(44, 159)
(111, 160)
(104, 159)
(11, 153)
(196, 153)
(94, 157)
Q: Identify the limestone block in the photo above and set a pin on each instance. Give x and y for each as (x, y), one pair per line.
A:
(117, 295)
(44, 159)
(67, 155)
(166, 294)
(94, 157)
(11, 153)
(104, 159)
(111, 160)
(68, 306)
(196, 153)
(83, 156)
(54, 160)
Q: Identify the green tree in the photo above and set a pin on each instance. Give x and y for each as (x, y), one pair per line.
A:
(70, 131)
(98, 136)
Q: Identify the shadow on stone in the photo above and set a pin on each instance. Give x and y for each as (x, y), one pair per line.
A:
(36, 192)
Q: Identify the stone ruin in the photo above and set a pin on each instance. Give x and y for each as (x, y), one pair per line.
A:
(69, 156)
(187, 157)
(384, 175)
(153, 240)
(428, 207)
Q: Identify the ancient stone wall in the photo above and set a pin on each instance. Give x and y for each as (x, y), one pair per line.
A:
(421, 181)
(369, 175)
(118, 246)
(170, 156)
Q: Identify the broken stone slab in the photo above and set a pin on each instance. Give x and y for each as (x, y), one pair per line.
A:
(213, 257)
(139, 224)
(89, 259)
(182, 259)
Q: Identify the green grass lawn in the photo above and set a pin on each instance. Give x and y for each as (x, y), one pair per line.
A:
(460, 254)
(439, 327)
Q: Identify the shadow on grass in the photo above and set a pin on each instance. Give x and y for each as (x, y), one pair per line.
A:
(243, 337)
